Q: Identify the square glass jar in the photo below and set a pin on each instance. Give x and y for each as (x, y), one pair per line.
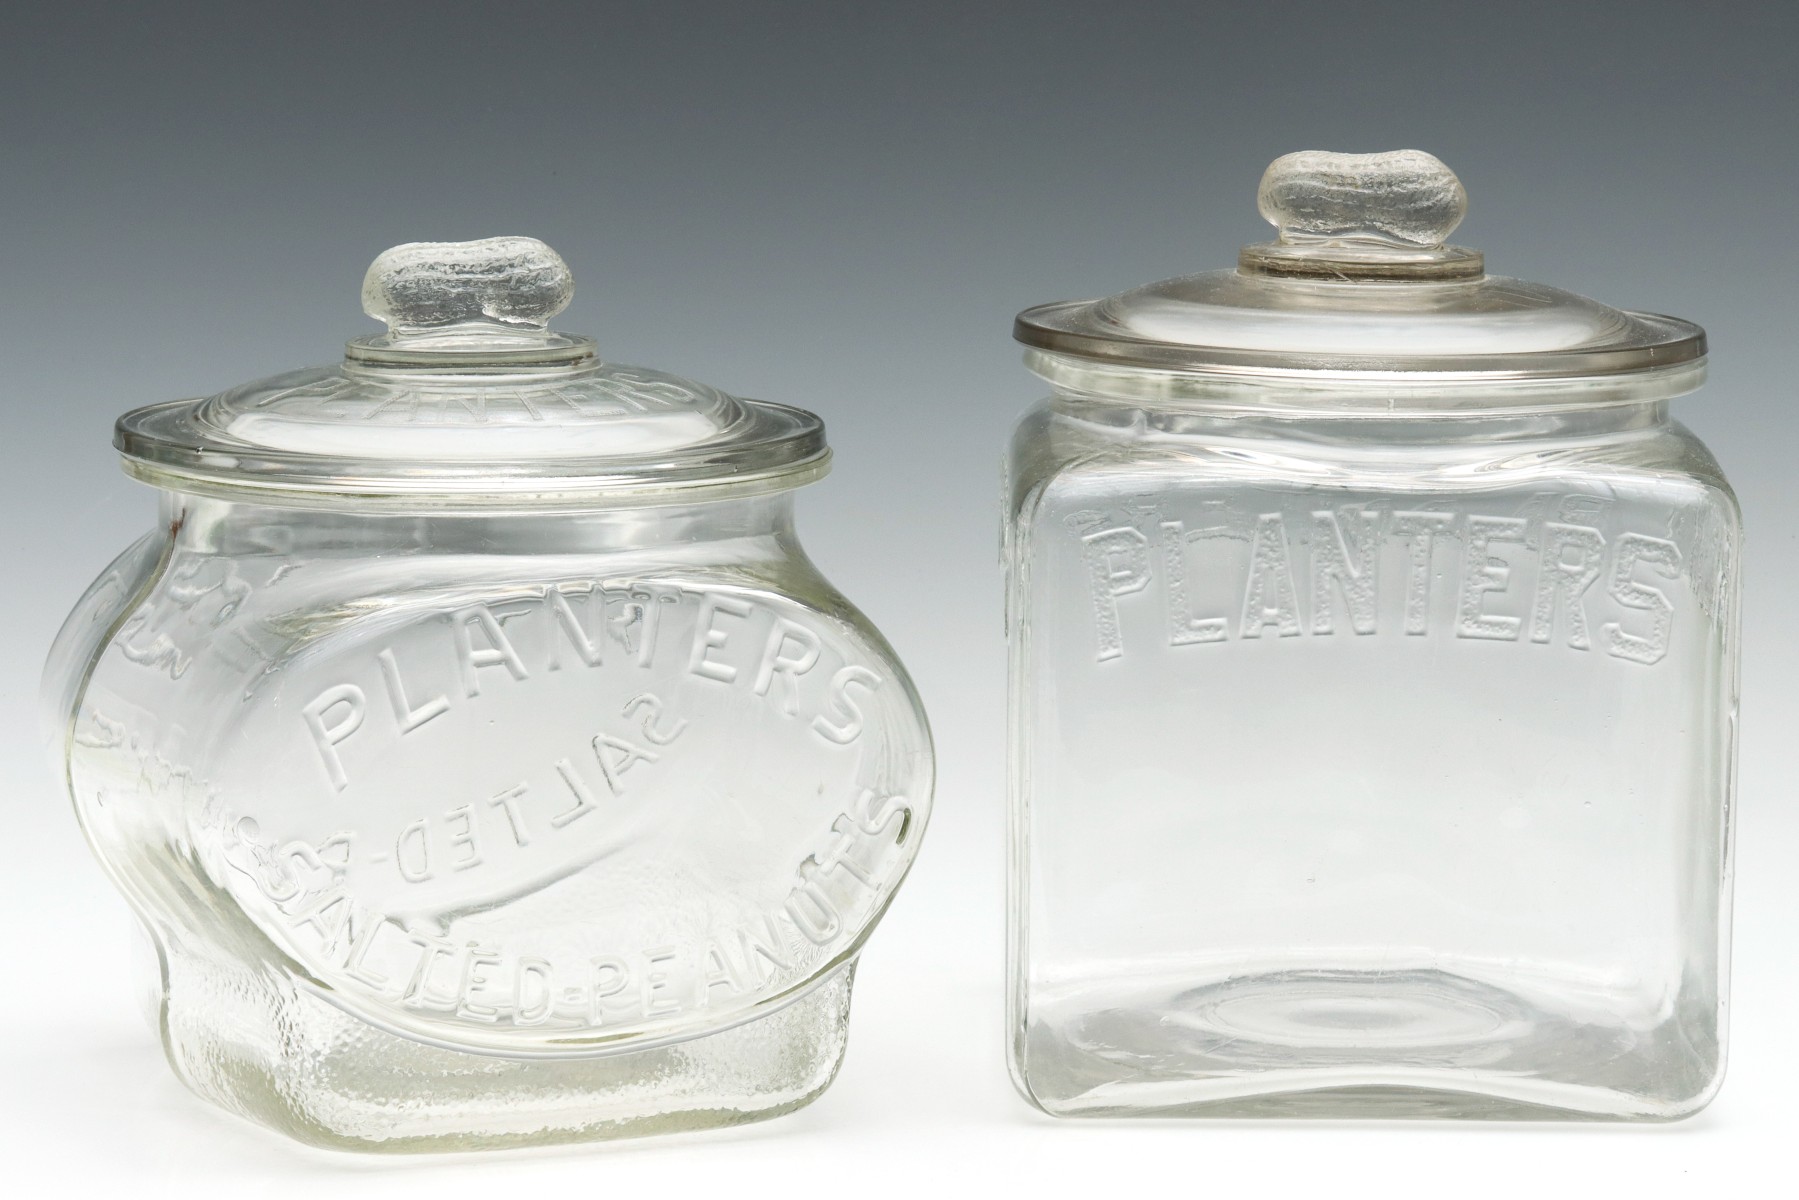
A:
(1372, 724)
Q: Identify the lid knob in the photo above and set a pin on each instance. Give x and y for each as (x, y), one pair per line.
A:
(511, 281)
(1362, 217)
(453, 305)
(1401, 197)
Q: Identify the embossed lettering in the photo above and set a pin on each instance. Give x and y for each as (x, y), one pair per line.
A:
(412, 853)
(652, 709)
(502, 675)
(366, 926)
(790, 664)
(1343, 566)
(759, 944)
(588, 648)
(463, 839)
(1345, 550)
(409, 717)
(840, 857)
(348, 703)
(655, 982)
(508, 802)
(578, 788)
(484, 636)
(611, 976)
(499, 651)
(275, 874)
(433, 951)
(333, 903)
(1664, 557)
(476, 982)
(622, 758)
(1422, 529)
(1483, 572)
(811, 910)
(843, 705)
(649, 620)
(717, 970)
(1268, 597)
(1569, 577)
(494, 985)
(1117, 565)
(531, 973)
(873, 813)
(1184, 628)
(708, 637)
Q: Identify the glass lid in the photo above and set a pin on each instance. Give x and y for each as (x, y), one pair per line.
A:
(1360, 279)
(470, 398)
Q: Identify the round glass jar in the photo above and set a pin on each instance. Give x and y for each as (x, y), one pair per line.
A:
(485, 759)
(1373, 678)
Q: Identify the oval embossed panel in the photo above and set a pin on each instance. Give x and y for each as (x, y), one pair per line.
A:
(557, 818)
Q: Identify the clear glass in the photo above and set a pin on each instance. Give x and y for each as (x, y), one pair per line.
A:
(1367, 765)
(456, 829)
(1361, 279)
(471, 400)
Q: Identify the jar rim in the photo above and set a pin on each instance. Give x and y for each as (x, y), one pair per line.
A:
(1068, 328)
(1352, 393)
(771, 447)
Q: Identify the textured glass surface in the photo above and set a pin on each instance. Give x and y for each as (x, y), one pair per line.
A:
(457, 827)
(1372, 733)
(1399, 199)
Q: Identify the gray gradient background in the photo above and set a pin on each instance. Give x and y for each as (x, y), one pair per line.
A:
(841, 207)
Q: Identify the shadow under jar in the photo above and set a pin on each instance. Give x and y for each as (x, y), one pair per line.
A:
(486, 761)
(1373, 681)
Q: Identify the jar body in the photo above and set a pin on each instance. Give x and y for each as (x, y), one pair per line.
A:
(1368, 766)
(455, 831)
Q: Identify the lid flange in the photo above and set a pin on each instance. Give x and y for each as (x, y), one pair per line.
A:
(1062, 328)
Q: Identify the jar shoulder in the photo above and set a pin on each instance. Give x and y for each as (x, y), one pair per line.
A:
(171, 601)
(1055, 456)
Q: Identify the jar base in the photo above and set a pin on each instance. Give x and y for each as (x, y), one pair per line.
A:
(1421, 1043)
(283, 1057)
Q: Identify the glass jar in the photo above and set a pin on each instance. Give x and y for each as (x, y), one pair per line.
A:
(1373, 679)
(482, 754)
